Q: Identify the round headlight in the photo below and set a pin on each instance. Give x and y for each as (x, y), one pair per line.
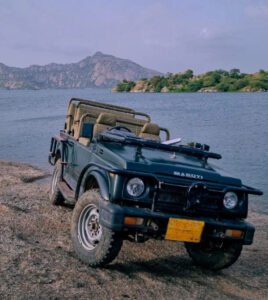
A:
(135, 187)
(230, 200)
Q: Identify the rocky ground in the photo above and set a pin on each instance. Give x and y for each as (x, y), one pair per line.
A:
(37, 259)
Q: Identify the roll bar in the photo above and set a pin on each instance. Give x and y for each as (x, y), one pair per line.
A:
(166, 132)
(109, 106)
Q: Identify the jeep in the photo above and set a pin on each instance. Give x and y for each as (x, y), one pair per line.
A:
(127, 180)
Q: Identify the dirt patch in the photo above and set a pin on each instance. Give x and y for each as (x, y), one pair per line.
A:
(37, 260)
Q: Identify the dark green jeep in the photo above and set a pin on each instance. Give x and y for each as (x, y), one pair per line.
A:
(126, 183)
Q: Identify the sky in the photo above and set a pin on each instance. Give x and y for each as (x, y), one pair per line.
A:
(167, 35)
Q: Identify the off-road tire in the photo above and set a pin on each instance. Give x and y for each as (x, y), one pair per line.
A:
(109, 243)
(208, 256)
(55, 195)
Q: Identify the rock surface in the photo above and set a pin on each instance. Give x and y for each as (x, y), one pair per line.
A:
(99, 70)
(37, 260)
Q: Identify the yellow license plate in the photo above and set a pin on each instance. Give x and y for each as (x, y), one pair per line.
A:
(184, 230)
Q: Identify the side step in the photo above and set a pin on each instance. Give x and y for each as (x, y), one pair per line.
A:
(67, 193)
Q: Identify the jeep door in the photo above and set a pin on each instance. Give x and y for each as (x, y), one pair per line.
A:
(77, 157)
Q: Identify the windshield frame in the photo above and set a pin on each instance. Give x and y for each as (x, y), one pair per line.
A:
(129, 138)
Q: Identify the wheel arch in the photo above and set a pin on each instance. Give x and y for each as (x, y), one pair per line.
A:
(56, 151)
(92, 178)
(58, 155)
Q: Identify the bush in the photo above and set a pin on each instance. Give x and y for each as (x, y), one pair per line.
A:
(125, 86)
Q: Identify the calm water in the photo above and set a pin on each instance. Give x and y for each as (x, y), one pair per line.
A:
(234, 125)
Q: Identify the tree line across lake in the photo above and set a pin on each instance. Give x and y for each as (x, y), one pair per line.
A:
(213, 81)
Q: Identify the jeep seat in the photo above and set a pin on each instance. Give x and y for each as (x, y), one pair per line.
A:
(104, 121)
(150, 131)
(85, 129)
(70, 117)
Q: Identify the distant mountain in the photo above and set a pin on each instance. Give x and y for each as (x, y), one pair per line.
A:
(99, 70)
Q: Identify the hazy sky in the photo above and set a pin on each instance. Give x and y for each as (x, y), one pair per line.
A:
(169, 36)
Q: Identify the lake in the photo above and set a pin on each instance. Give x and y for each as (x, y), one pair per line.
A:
(233, 124)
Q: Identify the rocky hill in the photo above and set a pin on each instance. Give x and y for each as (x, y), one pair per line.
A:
(99, 70)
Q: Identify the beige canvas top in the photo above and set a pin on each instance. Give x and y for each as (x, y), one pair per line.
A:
(103, 116)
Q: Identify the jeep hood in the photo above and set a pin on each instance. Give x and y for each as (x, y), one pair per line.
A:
(163, 162)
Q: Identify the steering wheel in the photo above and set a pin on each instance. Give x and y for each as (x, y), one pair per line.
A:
(120, 128)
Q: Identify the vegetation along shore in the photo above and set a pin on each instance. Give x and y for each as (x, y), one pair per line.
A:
(213, 81)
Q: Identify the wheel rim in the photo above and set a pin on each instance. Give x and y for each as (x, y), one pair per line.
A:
(89, 228)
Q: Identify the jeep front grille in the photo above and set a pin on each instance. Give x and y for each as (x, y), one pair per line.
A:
(174, 198)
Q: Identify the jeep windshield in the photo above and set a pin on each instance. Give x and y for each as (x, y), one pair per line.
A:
(129, 138)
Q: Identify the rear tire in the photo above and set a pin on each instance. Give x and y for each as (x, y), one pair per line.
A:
(93, 243)
(55, 195)
(214, 256)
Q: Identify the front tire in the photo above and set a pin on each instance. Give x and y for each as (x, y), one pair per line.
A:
(93, 243)
(55, 195)
(213, 255)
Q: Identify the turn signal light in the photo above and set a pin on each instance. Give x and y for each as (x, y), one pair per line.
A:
(234, 233)
(133, 221)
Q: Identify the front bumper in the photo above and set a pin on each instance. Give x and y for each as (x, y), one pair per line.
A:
(113, 215)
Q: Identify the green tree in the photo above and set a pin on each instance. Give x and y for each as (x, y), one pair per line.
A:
(125, 86)
(234, 73)
(188, 74)
(223, 86)
(240, 84)
(194, 85)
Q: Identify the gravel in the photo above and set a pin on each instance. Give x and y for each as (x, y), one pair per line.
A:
(37, 260)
